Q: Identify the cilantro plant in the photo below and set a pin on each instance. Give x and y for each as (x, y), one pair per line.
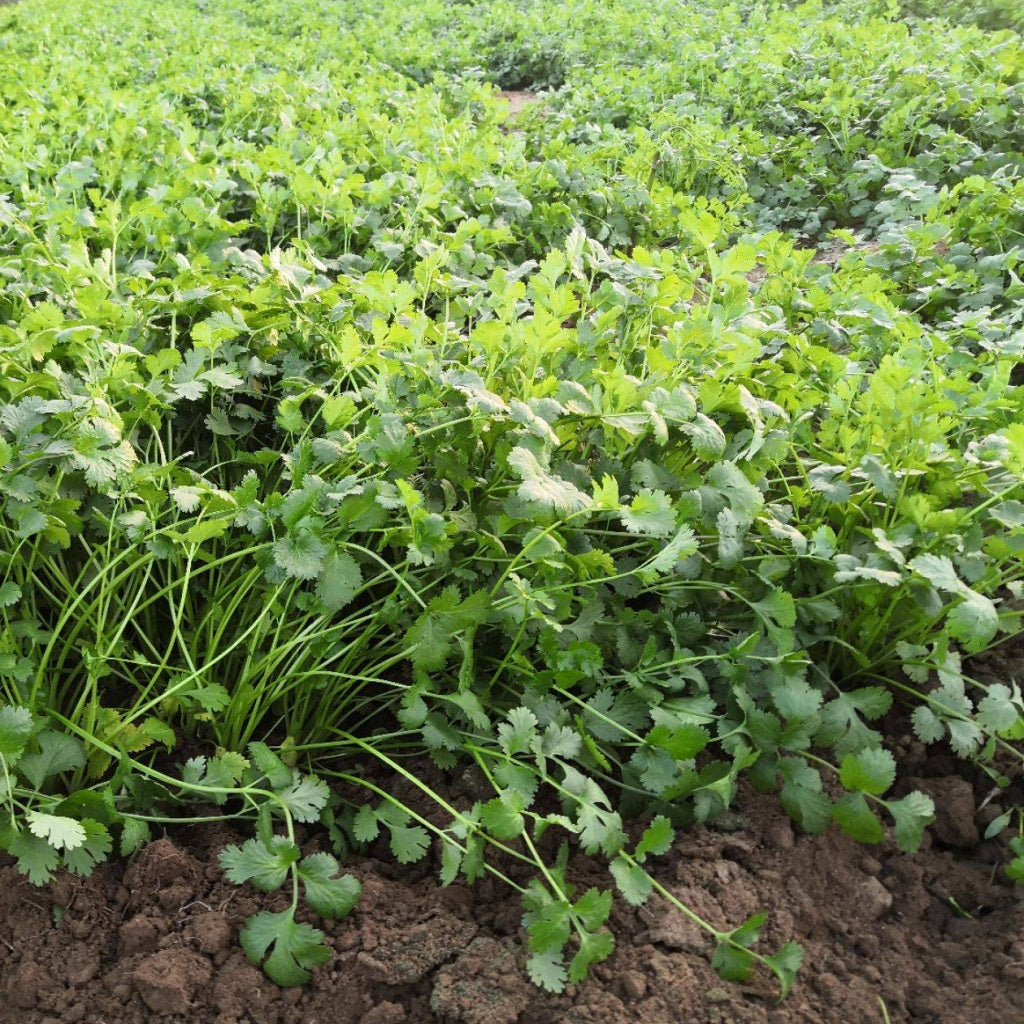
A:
(660, 437)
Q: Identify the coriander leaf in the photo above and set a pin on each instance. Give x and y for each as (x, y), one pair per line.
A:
(517, 734)
(631, 881)
(306, 798)
(328, 894)
(998, 710)
(871, 771)
(547, 971)
(682, 743)
(10, 594)
(542, 487)
(650, 513)
(681, 546)
(451, 861)
(276, 772)
(656, 840)
(593, 908)
(15, 729)
(852, 814)
(594, 948)
(95, 849)
(58, 753)
(339, 580)
(300, 554)
(939, 572)
(964, 737)
(802, 796)
(502, 816)
(297, 948)
(549, 928)
(912, 815)
(409, 844)
(61, 833)
(135, 833)
(974, 621)
(785, 964)
(265, 866)
(732, 963)
(365, 824)
(36, 857)
(927, 725)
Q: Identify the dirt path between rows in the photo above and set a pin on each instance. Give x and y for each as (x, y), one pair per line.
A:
(939, 936)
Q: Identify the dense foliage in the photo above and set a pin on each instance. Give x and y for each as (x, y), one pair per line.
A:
(664, 434)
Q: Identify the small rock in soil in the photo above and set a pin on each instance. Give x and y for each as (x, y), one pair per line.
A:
(138, 935)
(402, 956)
(954, 810)
(872, 898)
(24, 983)
(212, 931)
(385, 1013)
(484, 986)
(634, 985)
(166, 981)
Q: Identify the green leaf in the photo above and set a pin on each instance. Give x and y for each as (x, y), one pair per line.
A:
(306, 798)
(300, 555)
(802, 795)
(297, 948)
(547, 971)
(95, 849)
(853, 815)
(680, 547)
(593, 908)
(939, 572)
(451, 861)
(870, 771)
(10, 594)
(795, 699)
(339, 580)
(15, 729)
(517, 734)
(134, 835)
(681, 743)
(58, 753)
(927, 725)
(743, 497)
(631, 880)
(60, 833)
(998, 711)
(502, 816)
(974, 621)
(732, 963)
(277, 773)
(657, 839)
(253, 861)
(366, 824)
(594, 948)
(409, 844)
(785, 964)
(650, 513)
(328, 894)
(544, 488)
(36, 857)
(433, 635)
(912, 815)
(549, 928)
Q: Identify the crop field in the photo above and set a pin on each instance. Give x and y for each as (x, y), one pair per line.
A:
(565, 458)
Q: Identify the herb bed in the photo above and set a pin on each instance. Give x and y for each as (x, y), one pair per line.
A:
(664, 438)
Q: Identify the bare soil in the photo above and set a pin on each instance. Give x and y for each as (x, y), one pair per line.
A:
(518, 100)
(156, 941)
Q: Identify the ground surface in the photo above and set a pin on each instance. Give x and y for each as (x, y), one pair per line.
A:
(157, 941)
